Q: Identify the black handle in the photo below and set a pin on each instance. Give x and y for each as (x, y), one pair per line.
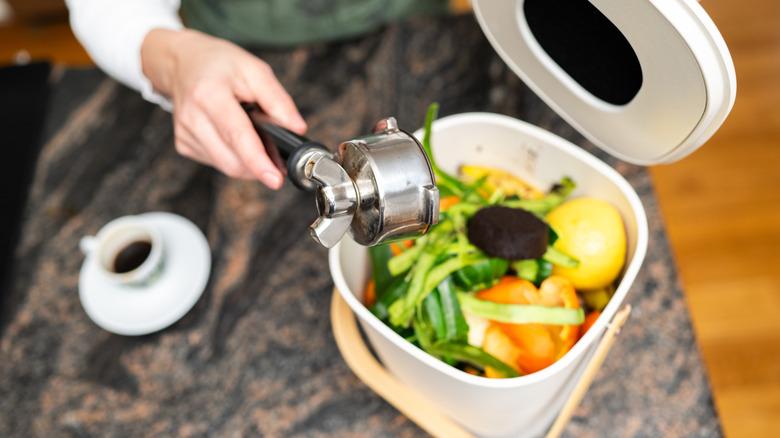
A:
(283, 146)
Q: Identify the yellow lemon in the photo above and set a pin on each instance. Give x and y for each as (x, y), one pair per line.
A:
(592, 231)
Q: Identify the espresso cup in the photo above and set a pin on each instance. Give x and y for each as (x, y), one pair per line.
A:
(128, 251)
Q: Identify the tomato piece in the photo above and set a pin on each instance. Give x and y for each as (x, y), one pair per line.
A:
(510, 290)
(500, 346)
(590, 319)
(369, 296)
(399, 247)
(540, 345)
(537, 345)
(395, 249)
(559, 291)
(447, 202)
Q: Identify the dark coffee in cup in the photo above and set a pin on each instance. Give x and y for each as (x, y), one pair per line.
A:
(131, 256)
(128, 251)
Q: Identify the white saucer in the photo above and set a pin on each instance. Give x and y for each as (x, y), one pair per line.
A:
(132, 311)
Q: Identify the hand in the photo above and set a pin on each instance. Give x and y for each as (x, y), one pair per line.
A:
(207, 78)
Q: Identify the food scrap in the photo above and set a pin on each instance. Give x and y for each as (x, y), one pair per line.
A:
(508, 280)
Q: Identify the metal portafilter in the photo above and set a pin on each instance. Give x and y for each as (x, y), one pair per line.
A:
(379, 187)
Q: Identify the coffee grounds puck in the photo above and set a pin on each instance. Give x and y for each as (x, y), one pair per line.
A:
(508, 233)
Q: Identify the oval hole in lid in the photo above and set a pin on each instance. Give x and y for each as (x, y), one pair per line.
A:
(587, 46)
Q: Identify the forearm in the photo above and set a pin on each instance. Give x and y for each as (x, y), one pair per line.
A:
(163, 51)
(113, 31)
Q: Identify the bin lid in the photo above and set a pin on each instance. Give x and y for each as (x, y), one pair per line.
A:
(648, 81)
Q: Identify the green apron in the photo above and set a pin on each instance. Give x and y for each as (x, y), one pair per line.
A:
(290, 22)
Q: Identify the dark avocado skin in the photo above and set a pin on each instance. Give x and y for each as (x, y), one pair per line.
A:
(508, 233)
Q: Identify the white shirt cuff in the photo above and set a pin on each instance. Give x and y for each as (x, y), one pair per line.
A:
(112, 31)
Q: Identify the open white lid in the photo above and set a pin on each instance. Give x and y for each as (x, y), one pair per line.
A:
(648, 81)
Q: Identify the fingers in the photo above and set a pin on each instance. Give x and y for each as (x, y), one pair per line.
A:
(221, 155)
(198, 139)
(237, 132)
(185, 143)
(190, 149)
(269, 93)
(211, 126)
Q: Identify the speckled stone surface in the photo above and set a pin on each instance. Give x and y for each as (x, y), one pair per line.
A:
(256, 356)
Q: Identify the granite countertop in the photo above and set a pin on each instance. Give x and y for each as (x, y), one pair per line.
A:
(256, 356)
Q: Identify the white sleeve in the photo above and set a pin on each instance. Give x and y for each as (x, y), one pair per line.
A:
(112, 32)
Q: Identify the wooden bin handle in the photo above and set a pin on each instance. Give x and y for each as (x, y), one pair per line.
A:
(374, 375)
(421, 411)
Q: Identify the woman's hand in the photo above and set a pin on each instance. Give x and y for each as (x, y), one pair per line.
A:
(207, 78)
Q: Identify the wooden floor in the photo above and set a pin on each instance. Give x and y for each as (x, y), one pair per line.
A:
(722, 208)
(721, 205)
(53, 41)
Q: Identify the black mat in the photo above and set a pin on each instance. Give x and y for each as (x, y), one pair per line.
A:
(24, 95)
